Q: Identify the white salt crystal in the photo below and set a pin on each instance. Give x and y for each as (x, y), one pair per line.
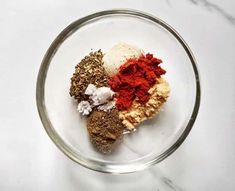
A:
(102, 95)
(90, 89)
(99, 95)
(84, 107)
(107, 107)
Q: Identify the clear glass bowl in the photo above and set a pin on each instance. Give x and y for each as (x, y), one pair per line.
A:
(155, 139)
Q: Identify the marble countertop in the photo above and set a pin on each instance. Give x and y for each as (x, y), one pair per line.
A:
(28, 158)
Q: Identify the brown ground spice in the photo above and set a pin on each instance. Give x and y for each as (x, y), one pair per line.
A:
(89, 71)
(104, 128)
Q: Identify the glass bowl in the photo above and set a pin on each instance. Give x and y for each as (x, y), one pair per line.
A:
(154, 139)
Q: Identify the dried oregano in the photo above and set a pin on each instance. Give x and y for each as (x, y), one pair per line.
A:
(89, 71)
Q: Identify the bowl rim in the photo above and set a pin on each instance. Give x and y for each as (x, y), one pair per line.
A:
(87, 162)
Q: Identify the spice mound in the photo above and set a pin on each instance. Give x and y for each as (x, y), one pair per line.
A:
(116, 91)
(105, 129)
(137, 113)
(118, 55)
(89, 71)
(134, 80)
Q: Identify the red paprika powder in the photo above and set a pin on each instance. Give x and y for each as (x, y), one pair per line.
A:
(134, 79)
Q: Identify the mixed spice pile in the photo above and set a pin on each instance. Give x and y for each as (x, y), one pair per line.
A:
(116, 91)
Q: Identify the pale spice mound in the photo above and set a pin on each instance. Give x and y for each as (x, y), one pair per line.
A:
(89, 71)
(138, 112)
(118, 55)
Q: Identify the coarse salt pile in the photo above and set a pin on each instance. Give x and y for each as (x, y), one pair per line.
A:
(98, 97)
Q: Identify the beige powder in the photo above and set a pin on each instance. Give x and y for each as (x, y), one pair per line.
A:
(118, 55)
(138, 112)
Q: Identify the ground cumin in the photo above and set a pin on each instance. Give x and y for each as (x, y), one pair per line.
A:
(105, 129)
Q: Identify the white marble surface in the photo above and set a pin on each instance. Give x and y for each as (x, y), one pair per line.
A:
(28, 158)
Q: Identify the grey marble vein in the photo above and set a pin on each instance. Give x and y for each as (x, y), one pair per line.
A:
(171, 185)
(164, 183)
(216, 8)
(168, 2)
(132, 149)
